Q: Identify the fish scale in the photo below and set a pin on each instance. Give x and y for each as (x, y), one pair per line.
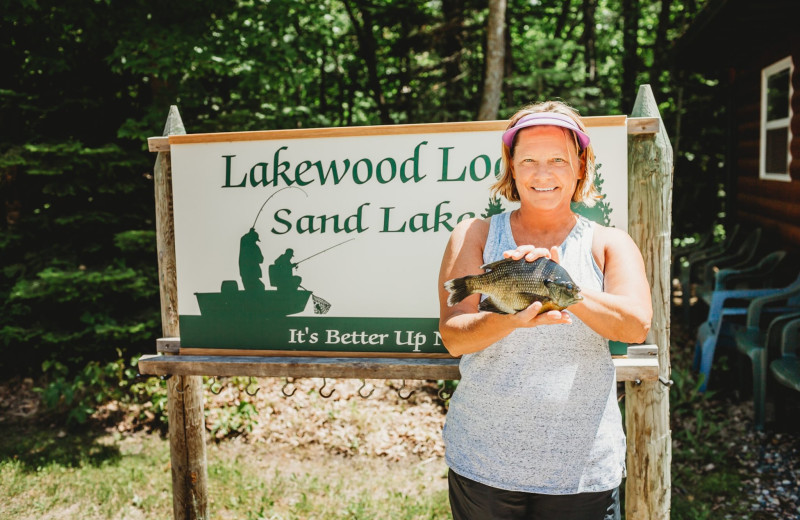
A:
(512, 285)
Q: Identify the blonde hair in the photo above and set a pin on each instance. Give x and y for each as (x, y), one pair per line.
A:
(585, 191)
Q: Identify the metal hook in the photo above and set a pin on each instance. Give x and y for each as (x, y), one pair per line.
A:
(180, 388)
(400, 392)
(444, 396)
(294, 388)
(324, 384)
(363, 384)
(251, 383)
(665, 382)
(213, 381)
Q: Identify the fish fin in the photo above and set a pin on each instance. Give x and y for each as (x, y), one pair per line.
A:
(458, 290)
(494, 265)
(490, 306)
(550, 305)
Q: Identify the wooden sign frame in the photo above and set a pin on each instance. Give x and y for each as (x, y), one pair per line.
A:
(410, 184)
(645, 370)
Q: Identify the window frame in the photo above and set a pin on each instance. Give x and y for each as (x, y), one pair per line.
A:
(766, 73)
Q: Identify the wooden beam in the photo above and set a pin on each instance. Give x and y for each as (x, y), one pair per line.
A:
(648, 486)
(168, 345)
(184, 393)
(158, 144)
(162, 143)
(641, 368)
(643, 125)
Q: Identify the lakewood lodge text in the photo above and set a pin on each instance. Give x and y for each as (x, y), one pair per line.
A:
(361, 171)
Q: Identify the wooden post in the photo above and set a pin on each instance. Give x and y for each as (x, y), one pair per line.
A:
(184, 393)
(648, 486)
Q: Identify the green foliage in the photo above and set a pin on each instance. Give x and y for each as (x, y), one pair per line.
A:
(232, 420)
(75, 399)
(702, 469)
(85, 83)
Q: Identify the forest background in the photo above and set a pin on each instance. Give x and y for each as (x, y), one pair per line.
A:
(84, 84)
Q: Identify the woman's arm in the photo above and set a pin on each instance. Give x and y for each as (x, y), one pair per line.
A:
(623, 310)
(463, 327)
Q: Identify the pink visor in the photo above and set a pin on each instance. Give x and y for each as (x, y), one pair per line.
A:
(546, 118)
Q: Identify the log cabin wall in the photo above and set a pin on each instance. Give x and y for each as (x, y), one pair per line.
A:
(773, 205)
(733, 41)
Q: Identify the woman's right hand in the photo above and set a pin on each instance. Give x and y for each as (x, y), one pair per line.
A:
(531, 253)
(530, 317)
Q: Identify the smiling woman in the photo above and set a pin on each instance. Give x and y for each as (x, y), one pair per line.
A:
(533, 428)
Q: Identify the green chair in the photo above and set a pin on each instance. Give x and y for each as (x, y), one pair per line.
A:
(762, 347)
(751, 276)
(720, 329)
(786, 369)
(695, 267)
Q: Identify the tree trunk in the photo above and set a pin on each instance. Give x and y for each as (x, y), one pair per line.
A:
(508, 92)
(367, 48)
(630, 46)
(563, 18)
(650, 164)
(495, 61)
(589, 41)
(660, 47)
(451, 48)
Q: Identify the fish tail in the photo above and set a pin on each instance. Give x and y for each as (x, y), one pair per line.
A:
(459, 289)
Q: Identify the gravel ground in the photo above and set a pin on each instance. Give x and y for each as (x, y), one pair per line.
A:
(774, 484)
(769, 461)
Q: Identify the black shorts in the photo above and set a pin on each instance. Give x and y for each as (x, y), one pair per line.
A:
(470, 500)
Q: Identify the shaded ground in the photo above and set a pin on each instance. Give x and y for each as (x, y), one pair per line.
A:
(716, 451)
(721, 467)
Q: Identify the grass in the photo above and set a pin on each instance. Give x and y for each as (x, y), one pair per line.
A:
(52, 474)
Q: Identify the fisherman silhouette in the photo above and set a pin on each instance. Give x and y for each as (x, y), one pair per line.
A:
(280, 273)
(250, 259)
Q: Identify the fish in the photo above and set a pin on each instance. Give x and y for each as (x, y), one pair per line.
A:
(512, 285)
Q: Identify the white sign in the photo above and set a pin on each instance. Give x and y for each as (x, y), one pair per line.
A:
(331, 239)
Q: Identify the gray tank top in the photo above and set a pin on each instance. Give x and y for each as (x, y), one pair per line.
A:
(537, 411)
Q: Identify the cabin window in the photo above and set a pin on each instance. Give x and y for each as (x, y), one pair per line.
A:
(776, 115)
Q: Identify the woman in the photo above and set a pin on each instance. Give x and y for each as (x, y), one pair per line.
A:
(534, 430)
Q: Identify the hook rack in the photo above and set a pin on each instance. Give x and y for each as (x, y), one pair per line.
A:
(324, 384)
(363, 384)
(289, 381)
(252, 382)
(213, 381)
(400, 391)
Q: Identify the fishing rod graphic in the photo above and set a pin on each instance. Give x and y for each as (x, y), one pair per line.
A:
(295, 264)
(270, 197)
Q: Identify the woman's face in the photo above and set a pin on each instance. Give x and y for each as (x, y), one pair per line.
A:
(546, 167)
